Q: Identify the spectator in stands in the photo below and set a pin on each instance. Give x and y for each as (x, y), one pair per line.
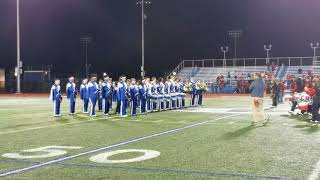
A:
(273, 67)
(310, 72)
(221, 83)
(238, 87)
(229, 78)
(249, 76)
(268, 67)
(299, 70)
(257, 89)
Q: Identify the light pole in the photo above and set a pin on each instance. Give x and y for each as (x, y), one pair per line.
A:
(235, 34)
(86, 40)
(224, 50)
(143, 16)
(19, 63)
(267, 48)
(49, 72)
(315, 46)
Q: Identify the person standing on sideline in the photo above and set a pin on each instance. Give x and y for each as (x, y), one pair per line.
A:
(71, 95)
(93, 94)
(257, 89)
(56, 98)
(84, 95)
(274, 93)
(315, 93)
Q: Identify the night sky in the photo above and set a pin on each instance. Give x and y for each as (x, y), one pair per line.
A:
(175, 29)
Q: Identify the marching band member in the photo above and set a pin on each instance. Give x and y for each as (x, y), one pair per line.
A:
(173, 94)
(56, 98)
(122, 96)
(114, 92)
(106, 94)
(161, 98)
(93, 93)
(100, 99)
(143, 96)
(148, 86)
(111, 92)
(84, 95)
(167, 95)
(188, 89)
(198, 91)
(71, 90)
(178, 94)
(154, 94)
(201, 88)
(128, 82)
(118, 101)
(193, 93)
(134, 93)
(183, 94)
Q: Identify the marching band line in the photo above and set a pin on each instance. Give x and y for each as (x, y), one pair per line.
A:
(146, 95)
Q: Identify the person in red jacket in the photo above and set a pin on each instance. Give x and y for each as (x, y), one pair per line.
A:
(293, 90)
(314, 92)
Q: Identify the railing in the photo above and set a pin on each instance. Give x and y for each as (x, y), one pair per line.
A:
(286, 61)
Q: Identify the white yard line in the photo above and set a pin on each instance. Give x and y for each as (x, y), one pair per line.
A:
(27, 168)
(315, 173)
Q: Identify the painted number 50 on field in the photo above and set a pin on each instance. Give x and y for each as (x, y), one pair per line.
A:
(52, 151)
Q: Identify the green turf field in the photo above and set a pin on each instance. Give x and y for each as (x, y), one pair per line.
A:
(211, 142)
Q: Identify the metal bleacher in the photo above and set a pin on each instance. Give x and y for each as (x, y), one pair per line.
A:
(209, 69)
(210, 74)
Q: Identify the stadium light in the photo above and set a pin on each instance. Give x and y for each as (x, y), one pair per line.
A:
(143, 17)
(86, 40)
(224, 50)
(18, 70)
(267, 48)
(235, 34)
